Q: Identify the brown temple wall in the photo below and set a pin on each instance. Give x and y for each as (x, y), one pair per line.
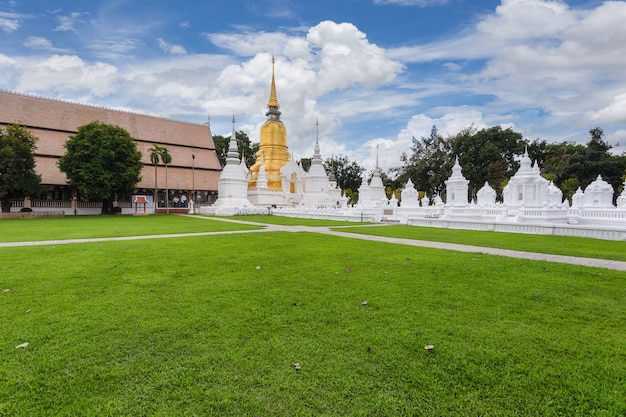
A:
(53, 121)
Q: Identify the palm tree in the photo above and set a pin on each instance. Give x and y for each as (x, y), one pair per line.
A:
(166, 157)
(155, 154)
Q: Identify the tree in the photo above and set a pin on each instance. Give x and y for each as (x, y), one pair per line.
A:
(101, 161)
(155, 156)
(245, 147)
(587, 162)
(18, 177)
(305, 163)
(166, 157)
(489, 155)
(348, 173)
(429, 164)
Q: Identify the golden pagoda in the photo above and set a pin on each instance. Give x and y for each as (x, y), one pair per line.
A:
(273, 146)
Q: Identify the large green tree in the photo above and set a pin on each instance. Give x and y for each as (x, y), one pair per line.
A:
(429, 164)
(348, 173)
(573, 165)
(244, 147)
(595, 159)
(101, 161)
(18, 177)
(488, 155)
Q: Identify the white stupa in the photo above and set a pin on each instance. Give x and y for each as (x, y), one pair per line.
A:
(410, 196)
(527, 188)
(377, 193)
(233, 183)
(316, 183)
(457, 187)
(486, 196)
(598, 194)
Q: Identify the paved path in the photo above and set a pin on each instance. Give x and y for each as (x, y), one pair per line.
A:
(592, 262)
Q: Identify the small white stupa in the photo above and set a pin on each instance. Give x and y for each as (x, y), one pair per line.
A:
(409, 196)
(233, 184)
(316, 184)
(292, 175)
(527, 188)
(486, 196)
(457, 187)
(376, 188)
(598, 194)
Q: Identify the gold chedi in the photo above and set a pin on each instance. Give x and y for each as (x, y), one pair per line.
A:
(273, 144)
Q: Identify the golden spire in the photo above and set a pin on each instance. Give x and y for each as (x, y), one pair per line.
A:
(273, 100)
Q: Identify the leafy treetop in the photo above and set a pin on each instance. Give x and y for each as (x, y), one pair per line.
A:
(101, 161)
(18, 177)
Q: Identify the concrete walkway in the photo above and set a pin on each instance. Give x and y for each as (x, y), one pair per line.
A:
(572, 260)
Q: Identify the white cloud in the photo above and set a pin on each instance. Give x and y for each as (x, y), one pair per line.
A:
(39, 43)
(250, 43)
(614, 112)
(113, 49)
(9, 22)
(6, 61)
(528, 19)
(332, 59)
(66, 23)
(420, 3)
(449, 123)
(347, 58)
(537, 54)
(35, 42)
(68, 73)
(171, 49)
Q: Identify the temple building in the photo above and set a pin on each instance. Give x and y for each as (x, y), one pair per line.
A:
(275, 179)
(193, 172)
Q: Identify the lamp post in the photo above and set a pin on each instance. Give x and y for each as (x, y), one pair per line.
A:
(192, 203)
(193, 177)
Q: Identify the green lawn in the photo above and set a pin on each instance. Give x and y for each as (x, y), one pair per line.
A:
(80, 227)
(291, 221)
(556, 245)
(190, 326)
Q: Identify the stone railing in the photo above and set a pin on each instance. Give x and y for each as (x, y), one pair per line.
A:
(32, 215)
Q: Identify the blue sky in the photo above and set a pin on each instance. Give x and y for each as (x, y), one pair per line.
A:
(373, 72)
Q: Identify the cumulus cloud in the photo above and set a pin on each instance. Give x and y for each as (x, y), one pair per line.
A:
(328, 58)
(540, 54)
(346, 57)
(67, 73)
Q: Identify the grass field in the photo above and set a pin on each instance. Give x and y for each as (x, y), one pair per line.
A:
(191, 326)
(556, 245)
(292, 221)
(81, 227)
